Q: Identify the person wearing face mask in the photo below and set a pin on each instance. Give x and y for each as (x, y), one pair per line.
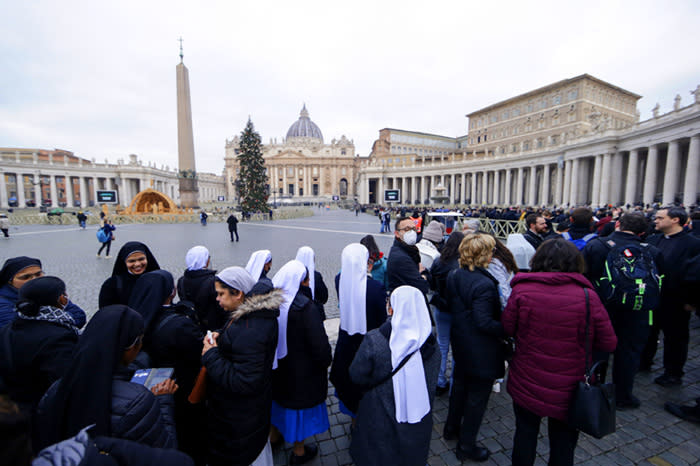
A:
(134, 259)
(37, 347)
(16, 272)
(172, 338)
(404, 264)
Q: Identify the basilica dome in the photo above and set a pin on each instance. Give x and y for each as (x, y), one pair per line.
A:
(304, 127)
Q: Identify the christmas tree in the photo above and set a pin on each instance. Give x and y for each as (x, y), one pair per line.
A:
(253, 180)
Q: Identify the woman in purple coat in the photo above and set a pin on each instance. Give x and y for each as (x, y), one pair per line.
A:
(546, 313)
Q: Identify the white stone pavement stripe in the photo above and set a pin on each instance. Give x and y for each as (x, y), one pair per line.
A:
(64, 230)
(288, 227)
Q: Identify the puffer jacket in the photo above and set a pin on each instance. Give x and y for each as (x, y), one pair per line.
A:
(83, 450)
(9, 297)
(239, 380)
(136, 413)
(546, 314)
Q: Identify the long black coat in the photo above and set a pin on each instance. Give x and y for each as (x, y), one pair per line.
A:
(347, 345)
(301, 378)
(33, 355)
(197, 286)
(239, 381)
(176, 342)
(402, 268)
(476, 323)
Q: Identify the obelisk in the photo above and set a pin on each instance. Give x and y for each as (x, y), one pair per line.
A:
(189, 193)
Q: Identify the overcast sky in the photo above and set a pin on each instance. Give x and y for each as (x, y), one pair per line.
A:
(98, 78)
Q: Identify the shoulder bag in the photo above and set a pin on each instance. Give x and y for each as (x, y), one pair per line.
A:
(592, 409)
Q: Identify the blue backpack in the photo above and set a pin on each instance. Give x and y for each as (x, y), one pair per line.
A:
(631, 279)
(581, 242)
(102, 236)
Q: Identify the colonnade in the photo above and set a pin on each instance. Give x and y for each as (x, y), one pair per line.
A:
(664, 172)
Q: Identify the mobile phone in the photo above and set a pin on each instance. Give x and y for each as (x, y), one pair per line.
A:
(210, 337)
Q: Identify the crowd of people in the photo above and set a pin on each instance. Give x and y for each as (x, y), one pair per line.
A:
(251, 358)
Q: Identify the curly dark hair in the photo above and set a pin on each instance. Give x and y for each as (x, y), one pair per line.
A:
(557, 255)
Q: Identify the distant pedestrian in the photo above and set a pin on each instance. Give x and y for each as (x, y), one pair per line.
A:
(270, 214)
(105, 236)
(5, 225)
(232, 226)
(203, 218)
(82, 219)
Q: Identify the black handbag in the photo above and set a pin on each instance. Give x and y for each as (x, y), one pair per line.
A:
(592, 409)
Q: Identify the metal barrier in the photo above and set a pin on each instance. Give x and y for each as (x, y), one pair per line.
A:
(501, 228)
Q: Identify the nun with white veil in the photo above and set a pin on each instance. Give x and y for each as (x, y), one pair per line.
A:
(362, 303)
(300, 378)
(259, 265)
(316, 289)
(398, 364)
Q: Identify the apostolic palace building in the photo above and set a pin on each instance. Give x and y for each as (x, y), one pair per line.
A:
(576, 141)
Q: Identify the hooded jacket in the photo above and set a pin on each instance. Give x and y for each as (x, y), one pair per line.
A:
(239, 379)
(546, 313)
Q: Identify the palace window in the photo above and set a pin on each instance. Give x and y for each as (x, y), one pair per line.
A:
(556, 100)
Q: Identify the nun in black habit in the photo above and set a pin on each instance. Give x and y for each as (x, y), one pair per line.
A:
(97, 388)
(37, 347)
(134, 259)
(174, 339)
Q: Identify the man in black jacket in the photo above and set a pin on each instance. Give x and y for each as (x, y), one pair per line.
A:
(676, 245)
(536, 229)
(403, 266)
(631, 327)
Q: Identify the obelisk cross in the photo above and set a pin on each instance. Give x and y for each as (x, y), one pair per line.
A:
(181, 54)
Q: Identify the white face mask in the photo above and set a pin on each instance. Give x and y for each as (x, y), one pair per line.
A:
(410, 237)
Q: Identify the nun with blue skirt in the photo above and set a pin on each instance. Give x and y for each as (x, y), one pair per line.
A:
(300, 378)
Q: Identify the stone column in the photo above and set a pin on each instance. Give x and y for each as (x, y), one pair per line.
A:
(575, 174)
(566, 194)
(54, 191)
(4, 202)
(616, 174)
(37, 189)
(285, 189)
(597, 166)
(507, 198)
(650, 175)
(690, 187)
(519, 184)
(95, 187)
(380, 190)
(558, 200)
(484, 187)
(631, 187)
(545, 185)
(21, 201)
(452, 188)
(473, 188)
(463, 189)
(83, 192)
(673, 165)
(532, 194)
(496, 187)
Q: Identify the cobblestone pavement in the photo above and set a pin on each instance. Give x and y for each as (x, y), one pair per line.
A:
(648, 435)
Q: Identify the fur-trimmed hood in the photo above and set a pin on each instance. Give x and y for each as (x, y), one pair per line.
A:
(270, 301)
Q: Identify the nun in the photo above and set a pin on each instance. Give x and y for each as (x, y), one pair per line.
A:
(172, 338)
(398, 364)
(259, 266)
(316, 288)
(196, 287)
(239, 371)
(300, 381)
(134, 259)
(97, 388)
(37, 347)
(362, 302)
(16, 272)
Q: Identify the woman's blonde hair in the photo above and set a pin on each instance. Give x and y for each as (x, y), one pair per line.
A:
(476, 250)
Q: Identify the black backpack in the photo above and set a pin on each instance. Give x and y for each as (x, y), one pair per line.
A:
(631, 279)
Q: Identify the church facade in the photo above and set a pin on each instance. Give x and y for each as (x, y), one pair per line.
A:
(301, 167)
